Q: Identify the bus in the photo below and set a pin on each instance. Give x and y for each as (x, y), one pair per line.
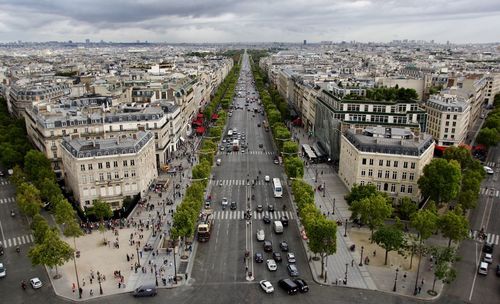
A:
(277, 189)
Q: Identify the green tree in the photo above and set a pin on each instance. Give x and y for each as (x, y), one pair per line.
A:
(443, 264)
(290, 148)
(37, 167)
(101, 210)
(488, 137)
(359, 192)
(390, 238)
(441, 180)
(183, 224)
(407, 208)
(294, 167)
(322, 238)
(28, 199)
(372, 211)
(460, 154)
(18, 177)
(454, 225)
(40, 228)
(52, 252)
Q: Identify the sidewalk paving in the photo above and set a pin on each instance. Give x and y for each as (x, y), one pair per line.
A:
(344, 262)
(156, 264)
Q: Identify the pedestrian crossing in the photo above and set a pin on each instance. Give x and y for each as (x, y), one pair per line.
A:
(4, 182)
(256, 152)
(490, 237)
(236, 182)
(240, 215)
(490, 192)
(490, 164)
(7, 200)
(18, 241)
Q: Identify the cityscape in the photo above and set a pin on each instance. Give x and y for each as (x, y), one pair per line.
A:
(249, 152)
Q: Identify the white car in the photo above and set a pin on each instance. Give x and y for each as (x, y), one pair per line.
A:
(260, 235)
(267, 178)
(3, 272)
(290, 256)
(225, 202)
(488, 258)
(271, 265)
(266, 286)
(488, 170)
(36, 283)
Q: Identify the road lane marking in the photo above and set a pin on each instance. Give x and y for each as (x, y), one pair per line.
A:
(3, 235)
(475, 274)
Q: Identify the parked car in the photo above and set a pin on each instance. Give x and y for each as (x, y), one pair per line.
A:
(3, 272)
(266, 286)
(498, 270)
(36, 283)
(289, 286)
(488, 248)
(303, 287)
(488, 258)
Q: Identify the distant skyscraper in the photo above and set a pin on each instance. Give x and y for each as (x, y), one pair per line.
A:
(305, 42)
(87, 41)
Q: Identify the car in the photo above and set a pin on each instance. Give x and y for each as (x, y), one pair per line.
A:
(258, 125)
(488, 170)
(277, 256)
(303, 287)
(222, 148)
(261, 145)
(270, 208)
(261, 235)
(289, 286)
(36, 283)
(224, 141)
(268, 246)
(292, 270)
(2, 174)
(266, 219)
(266, 286)
(267, 179)
(488, 248)
(3, 271)
(271, 265)
(488, 258)
(276, 161)
(284, 220)
(259, 258)
(235, 130)
(284, 246)
(498, 270)
(259, 208)
(224, 202)
(483, 268)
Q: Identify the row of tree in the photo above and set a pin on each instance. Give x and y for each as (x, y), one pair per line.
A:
(388, 94)
(14, 143)
(489, 135)
(186, 214)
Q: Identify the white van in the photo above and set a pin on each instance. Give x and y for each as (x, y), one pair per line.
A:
(278, 227)
(230, 133)
(218, 161)
(483, 268)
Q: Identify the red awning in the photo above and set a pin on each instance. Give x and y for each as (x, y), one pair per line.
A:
(480, 147)
(215, 116)
(440, 148)
(466, 147)
(200, 130)
(200, 115)
(197, 122)
(297, 121)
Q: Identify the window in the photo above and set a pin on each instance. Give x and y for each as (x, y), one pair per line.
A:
(117, 175)
(387, 174)
(403, 188)
(413, 165)
(75, 130)
(446, 130)
(393, 187)
(101, 176)
(99, 165)
(379, 186)
(388, 163)
(132, 162)
(395, 164)
(82, 167)
(132, 173)
(125, 163)
(364, 161)
(410, 189)
(379, 174)
(412, 176)
(455, 117)
(84, 179)
(115, 164)
(381, 162)
(405, 165)
(125, 174)
(403, 176)
(108, 165)
(362, 183)
(108, 175)
(90, 167)
(363, 173)
(370, 172)
(371, 161)
(394, 174)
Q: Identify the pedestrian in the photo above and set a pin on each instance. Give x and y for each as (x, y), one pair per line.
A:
(91, 292)
(83, 282)
(119, 285)
(80, 291)
(374, 252)
(90, 280)
(352, 263)
(419, 289)
(73, 287)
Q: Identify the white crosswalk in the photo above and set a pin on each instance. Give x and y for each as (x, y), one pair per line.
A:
(17, 241)
(4, 182)
(239, 215)
(6, 200)
(490, 164)
(490, 237)
(257, 152)
(236, 182)
(490, 192)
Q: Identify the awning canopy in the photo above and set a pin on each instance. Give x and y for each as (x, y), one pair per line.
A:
(297, 121)
(215, 116)
(197, 122)
(200, 115)
(200, 130)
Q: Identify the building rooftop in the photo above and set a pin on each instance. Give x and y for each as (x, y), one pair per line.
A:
(81, 148)
(448, 103)
(389, 140)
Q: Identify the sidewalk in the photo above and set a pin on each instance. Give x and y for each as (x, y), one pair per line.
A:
(104, 261)
(349, 264)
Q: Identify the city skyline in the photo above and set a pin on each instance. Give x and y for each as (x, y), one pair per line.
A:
(221, 21)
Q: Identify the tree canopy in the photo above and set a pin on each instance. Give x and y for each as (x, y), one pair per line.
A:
(441, 180)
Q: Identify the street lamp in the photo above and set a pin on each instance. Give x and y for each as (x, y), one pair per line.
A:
(395, 280)
(333, 206)
(345, 231)
(100, 286)
(77, 278)
(345, 278)
(175, 263)
(138, 259)
(361, 259)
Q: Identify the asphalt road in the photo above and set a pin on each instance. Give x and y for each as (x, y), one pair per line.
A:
(468, 285)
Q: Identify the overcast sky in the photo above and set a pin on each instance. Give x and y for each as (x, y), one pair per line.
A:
(459, 21)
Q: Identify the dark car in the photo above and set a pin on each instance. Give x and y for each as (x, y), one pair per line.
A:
(284, 246)
(261, 145)
(289, 286)
(233, 206)
(292, 270)
(488, 248)
(259, 258)
(259, 208)
(258, 125)
(303, 287)
(268, 246)
(498, 270)
(284, 220)
(277, 256)
(270, 208)
(266, 219)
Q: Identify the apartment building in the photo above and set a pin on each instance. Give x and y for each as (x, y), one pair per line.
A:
(447, 119)
(109, 169)
(23, 95)
(390, 158)
(492, 88)
(93, 118)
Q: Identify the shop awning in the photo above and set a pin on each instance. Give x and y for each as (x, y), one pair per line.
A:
(215, 116)
(197, 122)
(200, 130)
(200, 115)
